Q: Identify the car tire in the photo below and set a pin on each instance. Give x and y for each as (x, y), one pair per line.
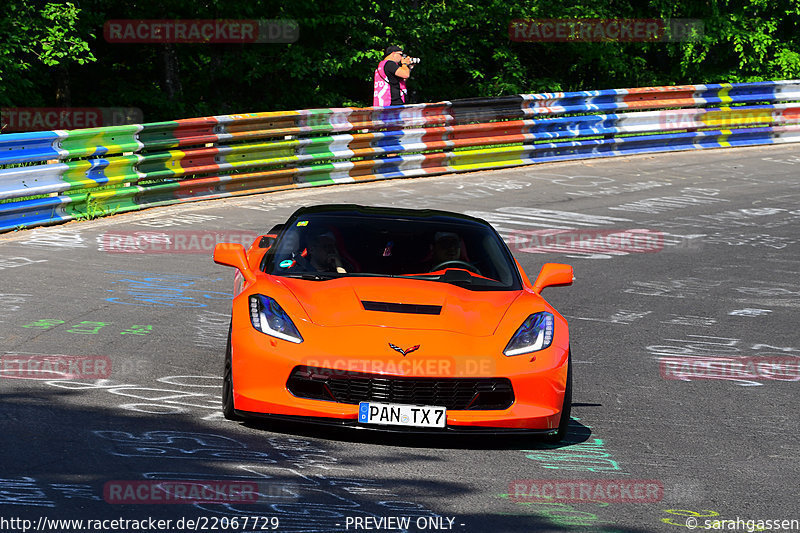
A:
(227, 383)
(566, 409)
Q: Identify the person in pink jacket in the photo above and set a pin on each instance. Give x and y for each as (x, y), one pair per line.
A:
(390, 77)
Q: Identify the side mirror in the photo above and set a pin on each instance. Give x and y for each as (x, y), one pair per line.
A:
(553, 274)
(232, 255)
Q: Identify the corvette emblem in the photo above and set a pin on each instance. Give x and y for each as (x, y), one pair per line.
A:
(402, 351)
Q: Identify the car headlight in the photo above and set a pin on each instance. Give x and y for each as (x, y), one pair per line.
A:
(268, 317)
(535, 334)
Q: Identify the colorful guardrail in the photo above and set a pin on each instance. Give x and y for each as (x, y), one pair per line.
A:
(54, 176)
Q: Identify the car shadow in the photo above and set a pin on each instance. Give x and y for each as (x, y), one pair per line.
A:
(576, 434)
(76, 449)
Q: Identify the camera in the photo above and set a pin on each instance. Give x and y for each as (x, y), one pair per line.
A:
(411, 60)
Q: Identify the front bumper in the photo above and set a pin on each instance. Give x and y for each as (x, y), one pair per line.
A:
(346, 423)
(262, 366)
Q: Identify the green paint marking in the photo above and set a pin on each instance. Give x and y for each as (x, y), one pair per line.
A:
(87, 327)
(44, 323)
(137, 330)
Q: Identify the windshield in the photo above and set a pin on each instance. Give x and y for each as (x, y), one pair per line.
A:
(324, 246)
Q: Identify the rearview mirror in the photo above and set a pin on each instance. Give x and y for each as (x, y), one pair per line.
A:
(232, 255)
(553, 274)
(267, 241)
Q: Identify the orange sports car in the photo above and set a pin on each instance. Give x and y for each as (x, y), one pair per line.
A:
(396, 319)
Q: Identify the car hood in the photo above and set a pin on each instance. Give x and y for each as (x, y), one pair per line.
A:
(401, 303)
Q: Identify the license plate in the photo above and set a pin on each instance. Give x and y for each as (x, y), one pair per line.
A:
(393, 414)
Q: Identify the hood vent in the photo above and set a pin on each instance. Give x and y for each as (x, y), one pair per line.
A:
(410, 309)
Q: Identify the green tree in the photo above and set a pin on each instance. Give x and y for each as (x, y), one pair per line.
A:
(464, 46)
(40, 42)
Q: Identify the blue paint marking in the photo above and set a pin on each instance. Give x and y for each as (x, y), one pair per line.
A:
(97, 171)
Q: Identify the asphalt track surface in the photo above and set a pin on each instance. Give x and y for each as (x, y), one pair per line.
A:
(715, 273)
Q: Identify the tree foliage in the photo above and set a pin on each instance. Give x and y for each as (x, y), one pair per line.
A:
(39, 38)
(464, 46)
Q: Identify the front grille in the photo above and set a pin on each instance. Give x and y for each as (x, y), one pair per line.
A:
(353, 387)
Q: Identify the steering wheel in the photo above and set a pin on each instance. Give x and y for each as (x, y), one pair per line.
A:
(455, 263)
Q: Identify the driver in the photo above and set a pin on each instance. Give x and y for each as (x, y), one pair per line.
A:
(323, 254)
(446, 248)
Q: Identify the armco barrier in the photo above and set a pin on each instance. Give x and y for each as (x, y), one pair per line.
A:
(55, 176)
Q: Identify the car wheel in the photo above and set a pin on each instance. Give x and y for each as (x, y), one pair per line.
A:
(566, 409)
(227, 383)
